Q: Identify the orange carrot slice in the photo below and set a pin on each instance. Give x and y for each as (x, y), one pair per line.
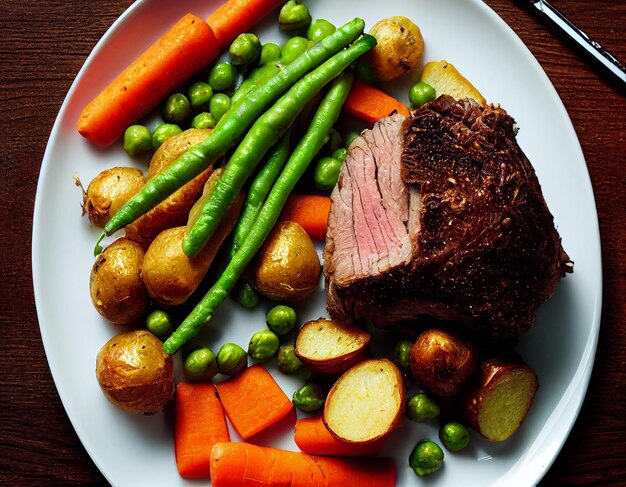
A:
(253, 401)
(313, 437)
(243, 464)
(237, 16)
(199, 425)
(370, 104)
(308, 211)
(185, 49)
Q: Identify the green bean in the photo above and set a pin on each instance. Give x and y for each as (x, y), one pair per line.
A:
(230, 128)
(263, 134)
(306, 150)
(260, 187)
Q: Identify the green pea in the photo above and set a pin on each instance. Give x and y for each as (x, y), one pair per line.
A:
(263, 345)
(164, 132)
(294, 17)
(200, 364)
(454, 436)
(247, 297)
(200, 95)
(231, 359)
(177, 108)
(245, 50)
(293, 48)
(350, 137)
(319, 29)
(426, 458)
(220, 104)
(326, 173)
(281, 319)
(287, 360)
(222, 76)
(137, 140)
(203, 120)
(270, 53)
(340, 154)
(422, 407)
(309, 397)
(159, 323)
(421, 93)
(402, 353)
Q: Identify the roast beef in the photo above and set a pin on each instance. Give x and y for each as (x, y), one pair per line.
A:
(441, 216)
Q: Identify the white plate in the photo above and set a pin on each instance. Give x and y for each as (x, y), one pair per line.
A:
(136, 451)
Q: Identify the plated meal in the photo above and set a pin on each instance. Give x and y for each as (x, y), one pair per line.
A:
(322, 255)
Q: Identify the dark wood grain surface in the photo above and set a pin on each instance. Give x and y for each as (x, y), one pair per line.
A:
(42, 47)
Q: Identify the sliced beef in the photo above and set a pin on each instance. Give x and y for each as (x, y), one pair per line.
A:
(441, 215)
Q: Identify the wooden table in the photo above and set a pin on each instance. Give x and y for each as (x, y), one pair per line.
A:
(42, 47)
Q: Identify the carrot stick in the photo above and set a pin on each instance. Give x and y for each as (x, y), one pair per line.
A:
(199, 425)
(244, 464)
(313, 437)
(253, 401)
(237, 16)
(370, 104)
(310, 212)
(185, 49)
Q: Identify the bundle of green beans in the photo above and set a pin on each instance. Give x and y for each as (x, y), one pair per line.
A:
(231, 127)
(306, 150)
(265, 132)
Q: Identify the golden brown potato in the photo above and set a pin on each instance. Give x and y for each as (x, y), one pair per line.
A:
(287, 267)
(170, 276)
(366, 403)
(326, 347)
(399, 48)
(446, 79)
(116, 287)
(442, 361)
(134, 372)
(173, 211)
(108, 192)
(501, 400)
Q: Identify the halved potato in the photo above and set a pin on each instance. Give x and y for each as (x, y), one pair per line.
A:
(502, 398)
(366, 403)
(446, 79)
(326, 347)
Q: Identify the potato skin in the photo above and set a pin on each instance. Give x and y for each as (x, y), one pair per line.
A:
(287, 267)
(116, 287)
(169, 275)
(108, 192)
(399, 48)
(173, 211)
(442, 361)
(134, 372)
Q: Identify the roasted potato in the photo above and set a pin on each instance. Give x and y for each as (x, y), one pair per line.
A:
(399, 48)
(287, 267)
(447, 80)
(366, 403)
(501, 399)
(326, 347)
(134, 372)
(442, 361)
(108, 192)
(169, 275)
(173, 211)
(116, 287)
